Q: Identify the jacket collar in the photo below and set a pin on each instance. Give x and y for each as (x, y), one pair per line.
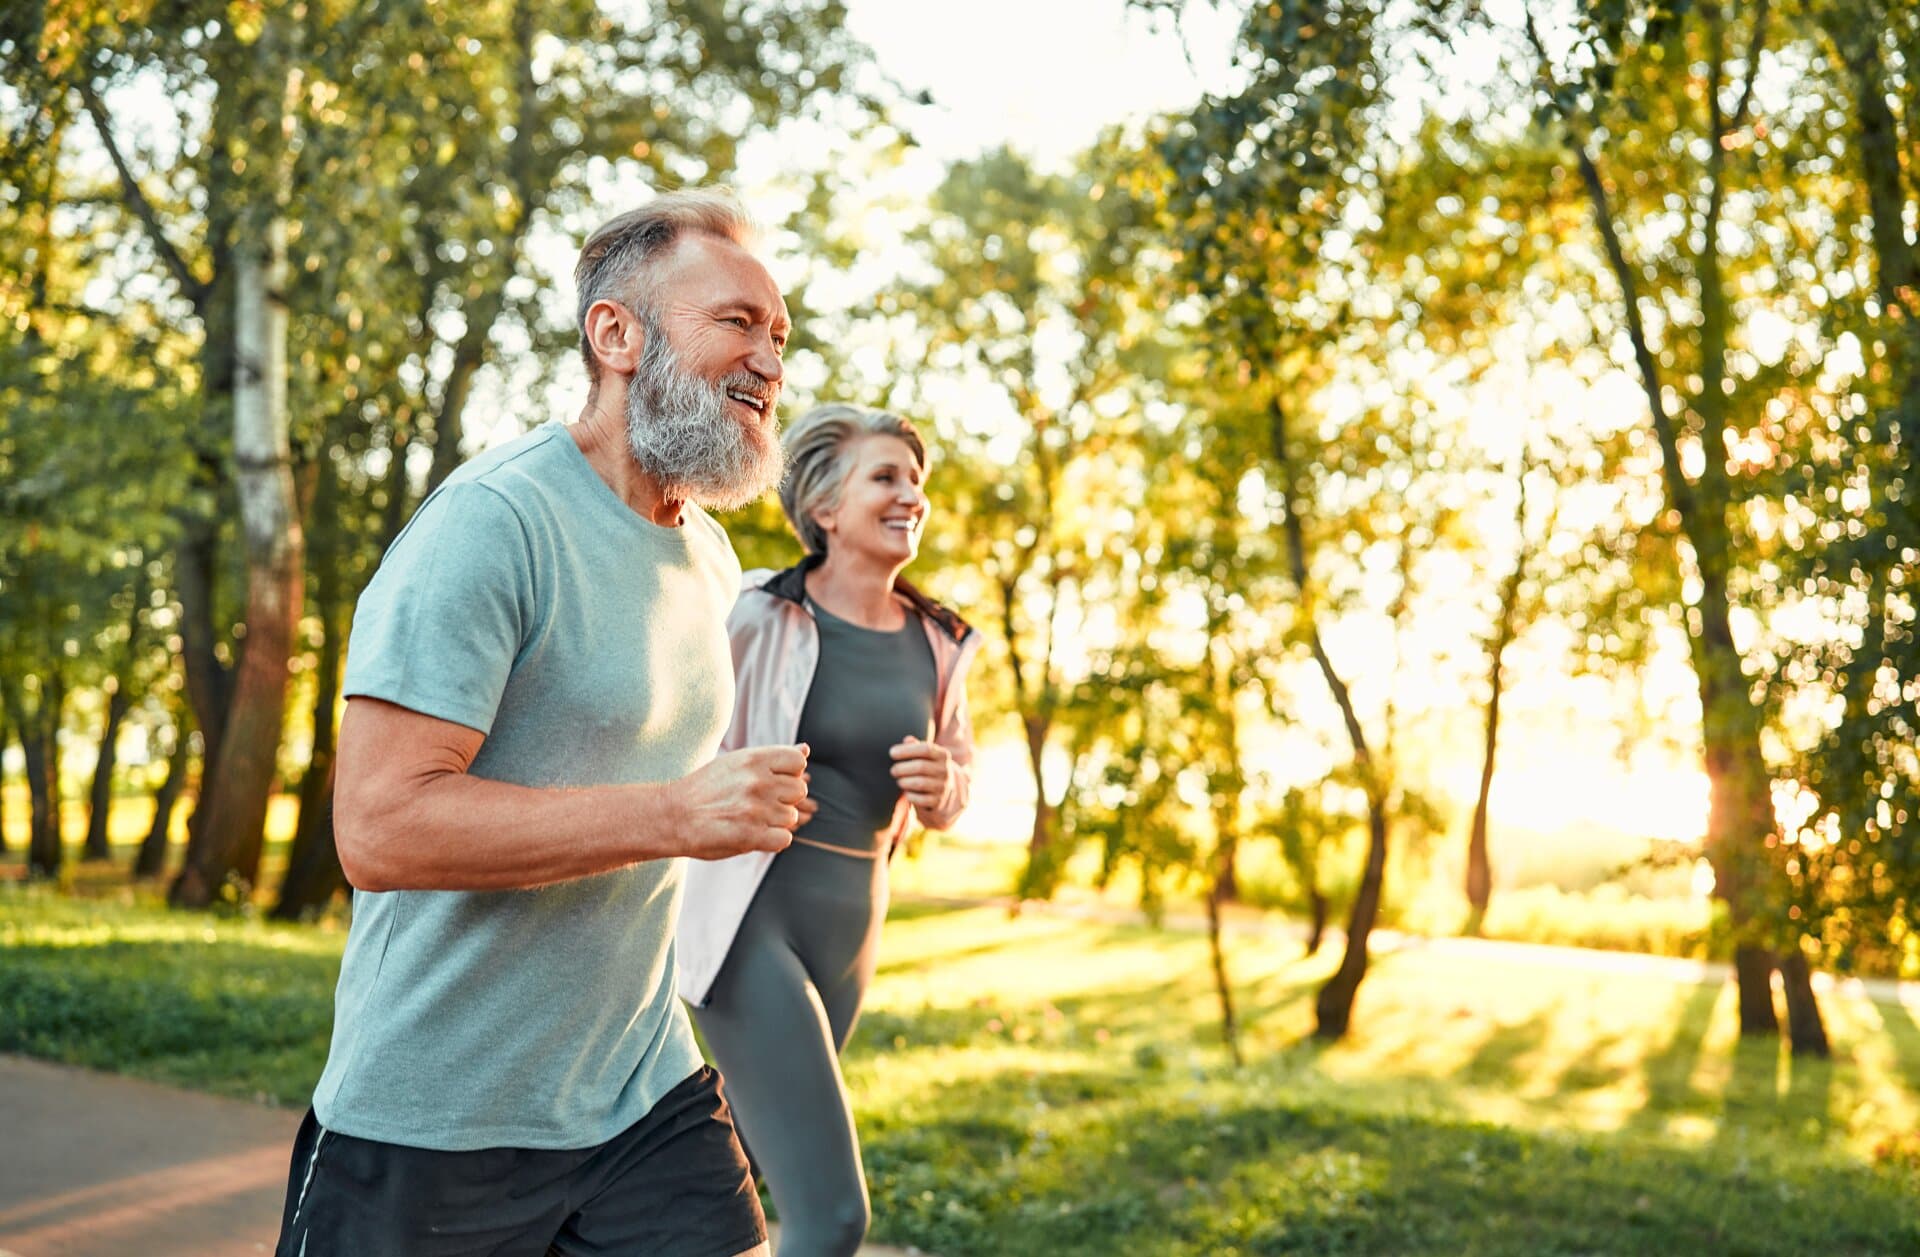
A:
(791, 584)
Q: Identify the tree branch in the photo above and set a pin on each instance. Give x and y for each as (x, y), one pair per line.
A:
(1755, 43)
(191, 286)
(1679, 488)
(1297, 557)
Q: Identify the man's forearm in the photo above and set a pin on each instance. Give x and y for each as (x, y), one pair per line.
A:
(455, 831)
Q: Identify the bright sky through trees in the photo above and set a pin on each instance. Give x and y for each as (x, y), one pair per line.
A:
(1082, 65)
(1044, 76)
(1047, 77)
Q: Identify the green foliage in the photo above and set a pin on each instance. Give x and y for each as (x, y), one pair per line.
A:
(1854, 858)
(427, 148)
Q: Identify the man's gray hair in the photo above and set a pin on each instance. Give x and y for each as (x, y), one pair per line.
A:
(820, 458)
(615, 262)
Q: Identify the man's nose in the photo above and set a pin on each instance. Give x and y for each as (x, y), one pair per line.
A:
(765, 360)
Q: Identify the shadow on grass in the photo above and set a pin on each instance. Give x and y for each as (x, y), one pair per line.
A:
(939, 957)
(1751, 1099)
(1669, 1071)
(1602, 1067)
(1124, 1016)
(1497, 1061)
(915, 908)
(1903, 1031)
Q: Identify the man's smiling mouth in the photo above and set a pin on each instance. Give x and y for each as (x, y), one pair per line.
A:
(752, 401)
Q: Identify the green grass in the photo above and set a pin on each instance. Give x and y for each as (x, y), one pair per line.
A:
(221, 1004)
(1035, 1085)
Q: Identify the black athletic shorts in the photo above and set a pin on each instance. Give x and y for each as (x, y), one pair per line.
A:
(674, 1184)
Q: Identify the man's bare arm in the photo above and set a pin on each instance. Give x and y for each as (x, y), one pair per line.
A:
(408, 816)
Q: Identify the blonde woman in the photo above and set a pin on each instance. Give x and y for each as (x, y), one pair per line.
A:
(776, 951)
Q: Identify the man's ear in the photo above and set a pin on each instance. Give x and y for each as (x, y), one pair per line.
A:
(615, 336)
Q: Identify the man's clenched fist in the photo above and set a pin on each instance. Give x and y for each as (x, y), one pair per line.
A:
(747, 800)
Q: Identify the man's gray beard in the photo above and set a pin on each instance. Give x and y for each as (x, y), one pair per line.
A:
(681, 434)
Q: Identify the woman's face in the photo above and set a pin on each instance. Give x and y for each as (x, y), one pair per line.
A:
(882, 505)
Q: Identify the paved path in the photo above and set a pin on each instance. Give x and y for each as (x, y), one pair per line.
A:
(94, 1165)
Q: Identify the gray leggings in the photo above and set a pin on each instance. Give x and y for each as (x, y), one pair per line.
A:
(776, 1020)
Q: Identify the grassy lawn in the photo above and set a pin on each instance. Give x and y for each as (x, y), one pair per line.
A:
(1041, 1086)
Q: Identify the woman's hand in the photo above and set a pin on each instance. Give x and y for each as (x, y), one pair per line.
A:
(925, 772)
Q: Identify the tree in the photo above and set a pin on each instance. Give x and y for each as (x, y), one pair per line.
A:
(6, 740)
(81, 490)
(1621, 50)
(151, 859)
(424, 147)
(226, 842)
(1034, 299)
(120, 687)
(1261, 181)
(1852, 858)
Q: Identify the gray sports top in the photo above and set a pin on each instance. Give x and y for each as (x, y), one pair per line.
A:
(870, 690)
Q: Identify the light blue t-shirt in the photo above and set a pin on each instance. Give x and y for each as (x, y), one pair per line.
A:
(527, 601)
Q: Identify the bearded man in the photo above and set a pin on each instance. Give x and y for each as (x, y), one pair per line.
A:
(539, 677)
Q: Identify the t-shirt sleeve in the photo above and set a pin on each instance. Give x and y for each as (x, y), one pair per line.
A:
(449, 610)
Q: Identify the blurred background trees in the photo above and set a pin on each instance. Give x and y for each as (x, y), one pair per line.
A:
(1301, 454)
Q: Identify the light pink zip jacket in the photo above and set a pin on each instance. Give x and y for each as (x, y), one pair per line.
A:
(776, 647)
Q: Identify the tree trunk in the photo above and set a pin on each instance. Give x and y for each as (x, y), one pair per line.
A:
(209, 682)
(1041, 876)
(1740, 818)
(313, 862)
(1317, 929)
(1040, 879)
(1806, 1032)
(196, 557)
(39, 729)
(228, 842)
(1897, 270)
(1479, 864)
(6, 738)
(1223, 987)
(397, 508)
(1228, 884)
(100, 796)
(1753, 975)
(44, 851)
(152, 860)
(313, 875)
(1740, 815)
(1333, 1010)
(1479, 867)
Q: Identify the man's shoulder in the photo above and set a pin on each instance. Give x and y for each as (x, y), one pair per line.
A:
(540, 480)
(533, 455)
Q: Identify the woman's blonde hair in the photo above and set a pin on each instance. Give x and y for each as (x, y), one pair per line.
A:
(819, 448)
